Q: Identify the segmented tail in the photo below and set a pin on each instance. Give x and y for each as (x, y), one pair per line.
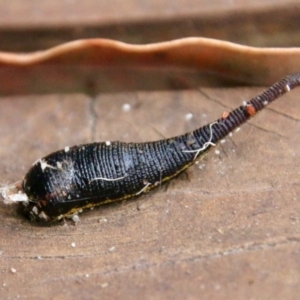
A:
(214, 132)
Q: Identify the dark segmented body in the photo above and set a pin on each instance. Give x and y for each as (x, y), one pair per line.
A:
(66, 181)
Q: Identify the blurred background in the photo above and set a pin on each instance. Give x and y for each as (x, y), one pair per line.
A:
(32, 25)
(28, 26)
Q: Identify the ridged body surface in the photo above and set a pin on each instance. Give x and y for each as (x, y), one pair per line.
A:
(87, 175)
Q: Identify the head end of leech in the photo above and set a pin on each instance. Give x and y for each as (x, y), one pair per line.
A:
(13, 194)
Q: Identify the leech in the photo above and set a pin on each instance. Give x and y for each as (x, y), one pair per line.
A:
(52, 195)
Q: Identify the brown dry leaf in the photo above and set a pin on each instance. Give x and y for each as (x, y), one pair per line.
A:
(101, 65)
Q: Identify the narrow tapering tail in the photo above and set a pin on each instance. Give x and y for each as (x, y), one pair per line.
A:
(212, 133)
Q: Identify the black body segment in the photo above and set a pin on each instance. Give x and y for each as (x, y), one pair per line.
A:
(67, 181)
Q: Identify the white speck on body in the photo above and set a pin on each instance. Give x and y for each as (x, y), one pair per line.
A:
(45, 165)
(59, 165)
(67, 149)
(144, 188)
(107, 143)
(35, 210)
(244, 103)
(43, 216)
(36, 162)
(287, 88)
(265, 103)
